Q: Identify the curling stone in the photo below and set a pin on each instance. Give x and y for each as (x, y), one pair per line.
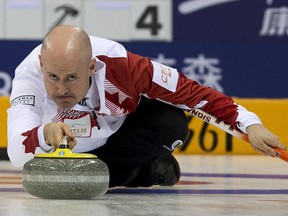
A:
(65, 175)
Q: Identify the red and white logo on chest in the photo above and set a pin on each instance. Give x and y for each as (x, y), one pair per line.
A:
(80, 122)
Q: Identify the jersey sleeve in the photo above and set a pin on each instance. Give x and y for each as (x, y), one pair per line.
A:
(166, 84)
(24, 121)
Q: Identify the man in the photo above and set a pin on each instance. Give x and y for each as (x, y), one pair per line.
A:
(122, 107)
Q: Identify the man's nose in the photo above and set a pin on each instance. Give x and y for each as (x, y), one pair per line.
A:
(62, 88)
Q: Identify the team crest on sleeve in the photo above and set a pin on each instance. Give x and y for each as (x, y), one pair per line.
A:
(165, 76)
(23, 100)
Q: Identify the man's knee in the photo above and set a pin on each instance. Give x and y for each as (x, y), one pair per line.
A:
(173, 128)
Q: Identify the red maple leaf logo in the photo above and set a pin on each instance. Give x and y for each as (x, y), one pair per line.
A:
(31, 142)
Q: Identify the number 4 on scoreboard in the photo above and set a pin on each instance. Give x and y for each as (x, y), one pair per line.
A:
(149, 20)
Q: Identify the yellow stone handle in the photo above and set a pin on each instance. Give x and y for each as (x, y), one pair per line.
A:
(63, 151)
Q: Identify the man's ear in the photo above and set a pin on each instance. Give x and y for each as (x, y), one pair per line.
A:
(92, 66)
(40, 61)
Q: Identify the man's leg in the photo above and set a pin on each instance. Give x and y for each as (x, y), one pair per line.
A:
(139, 153)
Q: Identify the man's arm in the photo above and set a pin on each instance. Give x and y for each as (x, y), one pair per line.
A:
(25, 132)
(168, 85)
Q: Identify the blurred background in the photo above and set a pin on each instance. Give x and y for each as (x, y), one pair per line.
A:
(238, 47)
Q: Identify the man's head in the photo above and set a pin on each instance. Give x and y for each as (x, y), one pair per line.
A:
(66, 63)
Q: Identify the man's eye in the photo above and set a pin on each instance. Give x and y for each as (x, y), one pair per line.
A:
(53, 77)
(71, 78)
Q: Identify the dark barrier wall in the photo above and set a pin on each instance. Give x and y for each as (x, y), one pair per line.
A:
(239, 47)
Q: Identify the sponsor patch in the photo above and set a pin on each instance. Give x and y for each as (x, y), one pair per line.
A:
(165, 76)
(23, 100)
(81, 126)
(175, 145)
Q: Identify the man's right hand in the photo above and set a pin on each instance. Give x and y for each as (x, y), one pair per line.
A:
(53, 132)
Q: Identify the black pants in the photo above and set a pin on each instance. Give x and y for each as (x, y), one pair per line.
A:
(130, 153)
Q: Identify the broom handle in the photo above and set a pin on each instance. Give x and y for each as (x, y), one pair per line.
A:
(229, 129)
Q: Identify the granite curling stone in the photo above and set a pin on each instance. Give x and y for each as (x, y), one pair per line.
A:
(65, 175)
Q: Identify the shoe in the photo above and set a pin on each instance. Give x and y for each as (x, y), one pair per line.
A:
(168, 171)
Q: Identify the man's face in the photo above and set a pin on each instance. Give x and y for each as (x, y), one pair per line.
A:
(66, 82)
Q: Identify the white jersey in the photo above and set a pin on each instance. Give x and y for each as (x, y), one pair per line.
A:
(120, 80)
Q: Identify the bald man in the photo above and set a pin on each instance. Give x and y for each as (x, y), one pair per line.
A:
(67, 65)
(122, 107)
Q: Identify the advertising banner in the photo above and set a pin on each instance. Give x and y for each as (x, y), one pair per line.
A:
(238, 47)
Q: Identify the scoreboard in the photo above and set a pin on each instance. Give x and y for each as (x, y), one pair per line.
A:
(119, 20)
